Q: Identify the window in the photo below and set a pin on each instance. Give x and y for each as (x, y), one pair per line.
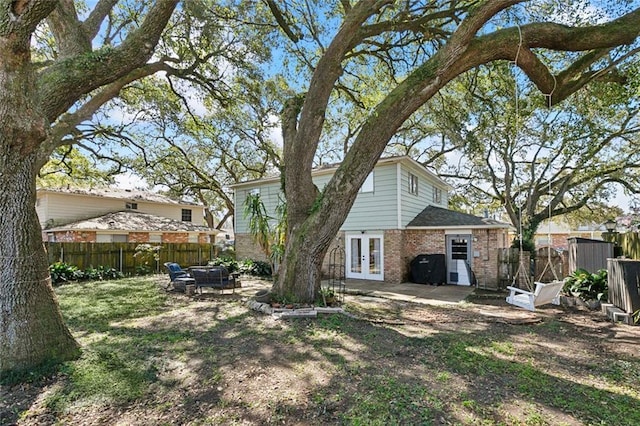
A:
(119, 238)
(437, 195)
(132, 206)
(413, 184)
(367, 186)
(186, 215)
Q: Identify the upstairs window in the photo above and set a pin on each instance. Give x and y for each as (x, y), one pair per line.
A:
(437, 195)
(413, 184)
(186, 215)
(367, 186)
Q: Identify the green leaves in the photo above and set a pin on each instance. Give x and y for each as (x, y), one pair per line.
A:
(588, 286)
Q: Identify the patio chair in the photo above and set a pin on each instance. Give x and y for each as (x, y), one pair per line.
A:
(175, 271)
(216, 277)
(543, 294)
(179, 277)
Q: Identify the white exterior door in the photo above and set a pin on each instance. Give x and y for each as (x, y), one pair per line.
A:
(458, 259)
(365, 256)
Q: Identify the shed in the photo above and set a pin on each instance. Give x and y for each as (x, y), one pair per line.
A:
(585, 253)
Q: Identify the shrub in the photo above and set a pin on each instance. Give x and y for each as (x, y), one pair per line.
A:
(102, 273)
(227, 262)
(255, 267)
(148, 256)
(587, 286)
(63, 272)
(245, 266)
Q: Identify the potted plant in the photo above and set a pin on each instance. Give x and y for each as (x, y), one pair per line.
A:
(328, 296)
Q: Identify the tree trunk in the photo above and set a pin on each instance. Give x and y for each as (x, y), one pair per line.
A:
(32, 331)
(300, 273)
(31, 327)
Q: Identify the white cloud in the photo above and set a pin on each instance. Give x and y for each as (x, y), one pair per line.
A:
(275, 134)
(131, 180)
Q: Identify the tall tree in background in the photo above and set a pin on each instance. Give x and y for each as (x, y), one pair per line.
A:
(536, 162)
(201, 155)
(422, 47)
(208, 119)
(39, 103)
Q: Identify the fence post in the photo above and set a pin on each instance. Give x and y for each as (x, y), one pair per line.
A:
(120, 258)
(61, 254)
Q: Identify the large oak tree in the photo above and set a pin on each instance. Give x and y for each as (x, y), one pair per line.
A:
(532, 162)
(437, 42)
(40, 102)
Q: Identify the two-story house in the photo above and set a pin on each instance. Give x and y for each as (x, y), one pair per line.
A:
(117, 215)
(400, 212)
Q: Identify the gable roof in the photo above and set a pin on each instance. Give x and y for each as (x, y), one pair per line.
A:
(438, 217)
(133, 221)
(331, 169)
(120, 194)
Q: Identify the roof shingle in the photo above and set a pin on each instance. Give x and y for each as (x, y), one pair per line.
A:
(439, 217)
(133, 221)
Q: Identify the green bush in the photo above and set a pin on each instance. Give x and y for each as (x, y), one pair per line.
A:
(227, 262)
(255, 267)
(587, 286)
(102, 273)
(63, 272)
(245, 266)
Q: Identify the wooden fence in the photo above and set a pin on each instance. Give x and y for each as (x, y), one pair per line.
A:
(122, 256)
(629, 243)
(511, 271)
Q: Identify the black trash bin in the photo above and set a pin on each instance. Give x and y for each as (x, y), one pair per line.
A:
(429, 269)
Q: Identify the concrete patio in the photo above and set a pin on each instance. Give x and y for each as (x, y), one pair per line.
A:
(410, 292)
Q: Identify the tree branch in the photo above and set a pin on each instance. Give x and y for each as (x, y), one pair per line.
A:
(67, 80)
(282, 21)
(96, 17)
(67, 30)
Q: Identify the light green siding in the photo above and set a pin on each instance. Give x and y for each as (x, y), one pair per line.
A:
(410, 204)
(269, 194)
(377, 210)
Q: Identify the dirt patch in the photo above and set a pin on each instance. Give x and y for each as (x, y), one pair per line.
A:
(222, 363)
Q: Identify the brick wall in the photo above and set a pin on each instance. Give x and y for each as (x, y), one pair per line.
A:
(76, 236)
(396, 268)
(484, 264)
(175, 237)
(138, 237)
(246, 248)
(204, 239)
(401, 246)
(560, 241)
(337, 242)
(420, 241)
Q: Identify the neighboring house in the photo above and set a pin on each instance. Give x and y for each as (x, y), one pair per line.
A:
(399, 213)
(112, 215)
(556, 233)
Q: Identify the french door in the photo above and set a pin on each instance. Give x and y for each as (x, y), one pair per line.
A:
(365, 256)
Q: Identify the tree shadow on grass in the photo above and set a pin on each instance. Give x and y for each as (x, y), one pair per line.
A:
(214, 361)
